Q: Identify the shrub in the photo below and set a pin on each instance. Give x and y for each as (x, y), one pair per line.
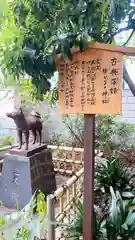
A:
(75, 230)
(118, 223)
(105, 130)
(111, 131)
(109, 172)
(75, 125)
(7, 140)
(27, 224)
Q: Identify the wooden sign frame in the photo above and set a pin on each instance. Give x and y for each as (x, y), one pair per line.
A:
(89, 141)
(92, 81)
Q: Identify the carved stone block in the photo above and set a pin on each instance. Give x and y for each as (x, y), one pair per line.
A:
(25, 172)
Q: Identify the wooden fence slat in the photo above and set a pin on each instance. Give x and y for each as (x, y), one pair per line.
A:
(74, 190)
(64, 196)
(51, 217)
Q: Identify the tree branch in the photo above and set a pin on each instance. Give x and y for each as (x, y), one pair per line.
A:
(117, 32)
(128, 80)
(129, 37)
(73, 133)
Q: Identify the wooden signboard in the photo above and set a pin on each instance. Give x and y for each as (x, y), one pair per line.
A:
(91, 83)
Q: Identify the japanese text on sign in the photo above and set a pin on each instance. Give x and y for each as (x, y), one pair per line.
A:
(91, 83)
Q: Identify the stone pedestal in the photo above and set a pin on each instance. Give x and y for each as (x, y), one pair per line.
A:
(23, 173)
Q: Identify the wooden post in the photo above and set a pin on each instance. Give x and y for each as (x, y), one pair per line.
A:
(51, 217)
(89, 139)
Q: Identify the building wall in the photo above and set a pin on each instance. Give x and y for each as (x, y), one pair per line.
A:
(128, 100)
(7, 104)
(128, 106)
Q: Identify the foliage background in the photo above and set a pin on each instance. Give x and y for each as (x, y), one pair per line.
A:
(33, 32)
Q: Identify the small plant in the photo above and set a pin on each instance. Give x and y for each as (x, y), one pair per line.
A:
(105, 129)
(109, 172)
(74, 230)
(120, 223)
(26, 224)
(4, 141)
(117, 223)
(22, 234)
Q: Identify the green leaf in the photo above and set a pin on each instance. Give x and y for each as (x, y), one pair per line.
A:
(2, 221)
(128, 195)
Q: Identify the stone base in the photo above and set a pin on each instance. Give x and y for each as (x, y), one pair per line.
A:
(33, 149)
(23, 173)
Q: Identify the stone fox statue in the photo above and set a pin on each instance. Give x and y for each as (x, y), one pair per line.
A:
(25, 123)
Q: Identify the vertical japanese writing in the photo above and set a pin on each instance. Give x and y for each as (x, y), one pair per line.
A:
(93, 67)
(114, 76)
(98, 61)
(16, 175)
(75, 67)
(72, 72)
(67, 71)
(105, 93)
(91, 89)
(71, 87)
(62, 77)
(83, 86)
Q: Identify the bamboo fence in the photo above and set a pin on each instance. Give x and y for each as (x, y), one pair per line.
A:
(60, 204)
(68, 160)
